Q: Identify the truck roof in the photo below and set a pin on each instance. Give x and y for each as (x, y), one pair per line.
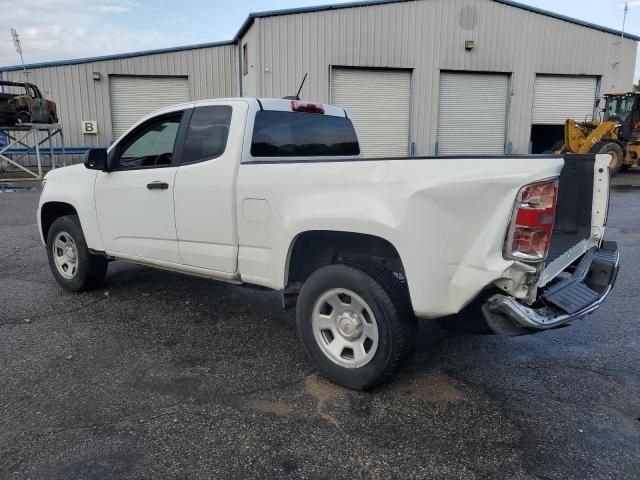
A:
(6, 83)
(270, 104)
(287, 105)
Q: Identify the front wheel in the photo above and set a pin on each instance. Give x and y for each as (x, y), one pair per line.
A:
(71, 263)
(355, 323)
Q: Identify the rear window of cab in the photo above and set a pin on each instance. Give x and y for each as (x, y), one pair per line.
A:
(296, 134)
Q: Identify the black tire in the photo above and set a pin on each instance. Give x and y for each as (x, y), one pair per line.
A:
(90, 270)
(613, 149)
(387, 299)
(400, 297)
(24, 117)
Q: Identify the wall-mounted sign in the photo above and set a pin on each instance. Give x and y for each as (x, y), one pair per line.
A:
(89, 127)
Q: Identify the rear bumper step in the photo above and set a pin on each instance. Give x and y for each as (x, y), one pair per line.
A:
(574, 297)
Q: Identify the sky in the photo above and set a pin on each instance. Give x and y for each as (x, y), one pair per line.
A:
(65, 29)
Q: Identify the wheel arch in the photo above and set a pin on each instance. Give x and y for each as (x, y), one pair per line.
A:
(313, 249)
(51, 211)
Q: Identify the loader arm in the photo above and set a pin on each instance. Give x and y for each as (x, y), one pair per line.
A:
(579, 138)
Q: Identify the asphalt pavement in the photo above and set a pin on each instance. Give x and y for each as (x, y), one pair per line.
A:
(158, 375)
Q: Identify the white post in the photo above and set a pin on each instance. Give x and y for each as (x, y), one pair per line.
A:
(38, 158)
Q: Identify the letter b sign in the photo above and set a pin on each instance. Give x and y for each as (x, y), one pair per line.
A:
(89, 127)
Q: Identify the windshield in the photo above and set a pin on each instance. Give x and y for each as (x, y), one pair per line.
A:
(617, 108)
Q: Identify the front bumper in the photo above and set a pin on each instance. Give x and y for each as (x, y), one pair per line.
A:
(578, 294)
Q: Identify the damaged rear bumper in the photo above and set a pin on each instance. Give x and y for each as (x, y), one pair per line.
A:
(578, 294)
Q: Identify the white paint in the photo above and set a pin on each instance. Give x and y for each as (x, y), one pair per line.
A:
(447, 218)
(134, 220)
(255, 210)
(205, 202)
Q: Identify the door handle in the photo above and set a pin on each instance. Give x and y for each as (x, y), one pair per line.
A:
(157, 185)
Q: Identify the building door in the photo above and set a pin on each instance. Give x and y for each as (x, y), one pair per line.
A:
(557, 98)
(133, 97)
(379, 104)
(472, 113)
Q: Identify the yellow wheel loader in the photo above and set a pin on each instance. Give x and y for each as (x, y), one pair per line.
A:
(618, 134)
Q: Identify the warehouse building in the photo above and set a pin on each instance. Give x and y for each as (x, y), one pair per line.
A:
(420, 77)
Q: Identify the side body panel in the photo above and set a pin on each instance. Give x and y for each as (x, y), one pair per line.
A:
(205, 202)
(134, 220)
(137, 221)
(447, 217)
(74, 185)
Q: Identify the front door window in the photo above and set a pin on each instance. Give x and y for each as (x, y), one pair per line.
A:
(152, 145)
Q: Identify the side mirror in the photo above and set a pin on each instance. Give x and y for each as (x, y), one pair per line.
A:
(96, 159)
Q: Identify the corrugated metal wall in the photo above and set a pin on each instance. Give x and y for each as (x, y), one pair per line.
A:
(211, 72)
(428, 36)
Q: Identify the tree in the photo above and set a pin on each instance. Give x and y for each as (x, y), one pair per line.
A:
(636, 86)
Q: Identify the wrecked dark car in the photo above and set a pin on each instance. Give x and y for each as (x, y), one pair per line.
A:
(24, 103)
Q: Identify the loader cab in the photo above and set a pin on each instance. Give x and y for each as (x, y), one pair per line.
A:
(623, 109)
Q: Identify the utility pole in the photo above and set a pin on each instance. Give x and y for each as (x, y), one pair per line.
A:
(624, 24)
(18, 45)
(618, 65)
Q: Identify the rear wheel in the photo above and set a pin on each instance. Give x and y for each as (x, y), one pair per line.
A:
(71, 263)
(354, 325)
(613, 149)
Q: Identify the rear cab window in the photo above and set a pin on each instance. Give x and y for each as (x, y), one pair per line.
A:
(207, 134)
(279, 133)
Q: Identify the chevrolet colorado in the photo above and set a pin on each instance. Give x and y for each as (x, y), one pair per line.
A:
(275, 193)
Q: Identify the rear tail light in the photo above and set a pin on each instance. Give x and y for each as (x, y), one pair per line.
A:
(307, 107)
(529, 235)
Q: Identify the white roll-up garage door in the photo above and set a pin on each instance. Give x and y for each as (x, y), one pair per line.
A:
(472, 113)
(379, 103)
(133, 97)
(557, 98)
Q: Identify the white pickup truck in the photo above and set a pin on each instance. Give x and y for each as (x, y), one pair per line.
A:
(275, 193)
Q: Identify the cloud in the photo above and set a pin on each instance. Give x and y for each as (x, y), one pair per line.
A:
(115, 7)
(64, 29)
